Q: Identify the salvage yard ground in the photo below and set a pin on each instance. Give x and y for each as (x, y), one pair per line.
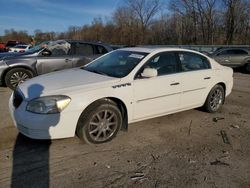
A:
(187, 149)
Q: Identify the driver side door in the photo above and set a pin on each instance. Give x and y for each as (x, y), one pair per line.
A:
(161, 94)
(57, 60)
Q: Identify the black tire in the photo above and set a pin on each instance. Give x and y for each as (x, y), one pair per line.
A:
(247, 68)
(16, 76)
(213, 103)
(90, 125)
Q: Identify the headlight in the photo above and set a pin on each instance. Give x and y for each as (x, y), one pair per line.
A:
(48, 104)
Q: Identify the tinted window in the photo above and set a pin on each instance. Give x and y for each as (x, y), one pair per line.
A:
(101, 50)
(190, 61)
(240, 52)
(233, 52)
(84, 49)
(164, 63)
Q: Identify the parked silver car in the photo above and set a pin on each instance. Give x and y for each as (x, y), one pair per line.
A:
(47, 57)
(233, 57)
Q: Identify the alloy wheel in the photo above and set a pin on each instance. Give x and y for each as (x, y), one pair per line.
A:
(103, 125)
(18, 78)
(216, 99)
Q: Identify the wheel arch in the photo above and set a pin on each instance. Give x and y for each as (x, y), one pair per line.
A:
(19, 66)
(221, 84)
(120, 104)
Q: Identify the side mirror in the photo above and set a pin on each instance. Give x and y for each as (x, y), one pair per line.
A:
(149, 73)
(46, 52)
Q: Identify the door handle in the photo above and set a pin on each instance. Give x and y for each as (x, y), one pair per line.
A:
(174, 84)
(67, 60)
(207, 78)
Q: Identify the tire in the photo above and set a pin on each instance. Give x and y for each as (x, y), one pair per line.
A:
(16, 76)
(215, 99)
(247, 68)
(99, 123)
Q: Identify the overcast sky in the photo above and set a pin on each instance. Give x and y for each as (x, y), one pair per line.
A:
(52, 15)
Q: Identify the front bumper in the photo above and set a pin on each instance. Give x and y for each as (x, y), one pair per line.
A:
(43, 126)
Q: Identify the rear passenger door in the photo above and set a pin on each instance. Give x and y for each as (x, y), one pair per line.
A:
(196, 76)
(82, 54)
(85, 53)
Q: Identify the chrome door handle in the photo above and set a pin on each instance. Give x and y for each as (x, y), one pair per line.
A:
(207, 78)
(174, 84)
(68, 60)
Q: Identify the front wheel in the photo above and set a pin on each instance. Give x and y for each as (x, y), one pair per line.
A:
(100, 123)
(16, 76)
(247, 67)
(215, 99)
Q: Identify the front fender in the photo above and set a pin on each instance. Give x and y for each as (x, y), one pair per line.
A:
(25, 63)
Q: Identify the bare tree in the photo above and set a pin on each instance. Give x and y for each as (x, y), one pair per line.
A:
(144, 11)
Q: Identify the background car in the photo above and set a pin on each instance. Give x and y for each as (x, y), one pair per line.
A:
(20, 48)
(233, 57)
(12, 43)
(2, 47)
(121, 87)
(48, 57)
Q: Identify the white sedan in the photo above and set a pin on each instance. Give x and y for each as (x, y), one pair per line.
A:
(20, 48)
(121, 87)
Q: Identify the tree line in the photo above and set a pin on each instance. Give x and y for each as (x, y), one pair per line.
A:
(149, 22)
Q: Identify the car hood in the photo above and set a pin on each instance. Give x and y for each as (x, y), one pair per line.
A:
(15, 55)
(63, 82)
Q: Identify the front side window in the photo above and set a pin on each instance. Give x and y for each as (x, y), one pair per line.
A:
(225, 52)
(165, 63)
(58, 48)
(190, 61)
(117, 63)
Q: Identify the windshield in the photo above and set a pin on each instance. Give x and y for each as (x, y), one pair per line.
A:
(37, 48)
(116, 64)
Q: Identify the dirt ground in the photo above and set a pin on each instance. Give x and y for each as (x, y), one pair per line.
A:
(180, 150)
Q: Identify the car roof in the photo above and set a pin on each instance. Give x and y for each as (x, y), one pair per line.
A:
(88, 42)
(156, 49)
(231, 48)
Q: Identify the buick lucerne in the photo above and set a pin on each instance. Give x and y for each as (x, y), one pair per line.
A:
(124, 86)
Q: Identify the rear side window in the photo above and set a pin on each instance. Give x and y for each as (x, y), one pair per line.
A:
(191, 62)
(240, 52)
(233, 52)
(84, 49)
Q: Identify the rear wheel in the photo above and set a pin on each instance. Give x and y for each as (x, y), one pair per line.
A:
(100, 123)
(215, 99)
(16, 76)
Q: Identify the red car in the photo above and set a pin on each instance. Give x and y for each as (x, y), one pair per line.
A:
(2, 47)
(12, 43)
